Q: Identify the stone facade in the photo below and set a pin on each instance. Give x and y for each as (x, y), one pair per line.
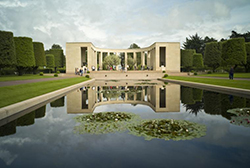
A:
(159, 54)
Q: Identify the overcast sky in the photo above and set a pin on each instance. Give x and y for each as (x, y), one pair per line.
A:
(119, 23)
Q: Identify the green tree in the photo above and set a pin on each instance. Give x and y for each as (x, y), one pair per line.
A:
(198, 43)
(56, 46)
(7, 49)
(58, 56)
(246, 36)
(212, 56)
(247, 65)
(111, 60)
(187, 58)
(194, 42)
(39, 54)
(131, 63)
(133, 46)
(24, 53)
(198, 61)
(50, 60)
(233, 52)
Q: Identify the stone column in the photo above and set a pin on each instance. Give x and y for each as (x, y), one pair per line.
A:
(126, 59)
(89, 55)
(134, 54)
(95, 60)
(157, 59)
(142, 59)
(108, 53)
(100, 60)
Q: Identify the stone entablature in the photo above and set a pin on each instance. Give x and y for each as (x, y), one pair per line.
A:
(166, 54)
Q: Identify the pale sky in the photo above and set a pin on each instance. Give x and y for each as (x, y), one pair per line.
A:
(119, 23)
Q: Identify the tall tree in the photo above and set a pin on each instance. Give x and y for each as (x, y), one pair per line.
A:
(212, 55)
(233, 52)
(194, 42)
(7, 49)
(246, 36)
(39, 54)
(24, 53)
(198, 43)
(56, 46)
(187, 58)
(247, 65)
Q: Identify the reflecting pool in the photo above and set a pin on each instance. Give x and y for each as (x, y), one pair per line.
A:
(152, 124)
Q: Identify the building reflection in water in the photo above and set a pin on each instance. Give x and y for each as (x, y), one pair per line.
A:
(161, 98)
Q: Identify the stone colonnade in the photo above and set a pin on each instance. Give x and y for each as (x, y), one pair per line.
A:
(159, 54)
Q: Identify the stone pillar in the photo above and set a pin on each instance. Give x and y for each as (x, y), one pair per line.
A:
(89, 55)
(142, 59)
(143, 94)
(95, 60)
(108, 53)
(126, 59)
(148, 59)
(100, 60)
(134, 54)
(157, 58)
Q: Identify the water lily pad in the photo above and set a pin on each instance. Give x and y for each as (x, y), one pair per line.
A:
(242, 116)
(168, 129)
(101, 123)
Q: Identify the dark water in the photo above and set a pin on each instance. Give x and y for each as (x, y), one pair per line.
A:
(46, 138)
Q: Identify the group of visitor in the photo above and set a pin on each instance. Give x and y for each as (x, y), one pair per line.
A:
(81, 71)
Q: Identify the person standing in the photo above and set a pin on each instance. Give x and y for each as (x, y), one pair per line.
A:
(231, 73)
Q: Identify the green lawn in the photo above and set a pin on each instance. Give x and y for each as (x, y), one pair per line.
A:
(24, 77)
(236, 75)
(243, 84)
(17, 93)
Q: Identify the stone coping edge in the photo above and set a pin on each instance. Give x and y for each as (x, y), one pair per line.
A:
(209, 87)
(12, 109)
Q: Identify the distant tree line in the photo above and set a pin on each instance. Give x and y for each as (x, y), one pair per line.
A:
(23, 55)
(216, 54)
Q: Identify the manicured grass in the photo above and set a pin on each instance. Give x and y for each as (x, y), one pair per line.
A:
(236, 75)
(243, 84)
(13, 94)
(24, 77)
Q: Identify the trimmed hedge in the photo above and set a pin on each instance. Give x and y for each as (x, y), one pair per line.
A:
(58, 57)
(7, 49)
(24, 52)
(198, 60)
(39, 54)
(212, 55)
(50, 60)
(247, 65)
(187, 58)
(233, 52)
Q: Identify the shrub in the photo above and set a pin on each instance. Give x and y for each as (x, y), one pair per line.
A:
(166, 75)
(57, 72)
(88, 72)
(55, 75)
(195, 73)
(62, 70)
(163, 71)
(7, 49)
(209, 72)
(86, 76)
(41, 73)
